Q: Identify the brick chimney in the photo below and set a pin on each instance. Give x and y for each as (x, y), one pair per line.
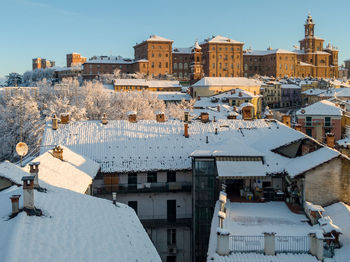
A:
(28, 192)
(286, 120)
(104, 119)
(218, 107)
(15, 204)
(330, 140)
(54, 122)
(186, 114)
(58, 152)
(297, 127)
(247, 113)
(160, 116)
(64, 118)
(186, 130)
(231, 115)
(34, 171)
(198, 98)
(132, 116)
(205, 117)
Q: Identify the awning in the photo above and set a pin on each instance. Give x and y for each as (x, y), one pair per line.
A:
(240, 169)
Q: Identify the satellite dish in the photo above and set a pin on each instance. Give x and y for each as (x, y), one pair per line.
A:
(21, 149)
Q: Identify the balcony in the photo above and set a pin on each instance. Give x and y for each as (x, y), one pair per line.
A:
(143, 188)
(163, 220)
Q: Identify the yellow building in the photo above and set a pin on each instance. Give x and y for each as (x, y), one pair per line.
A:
(120, 85)
(209, 86)
(271, 94)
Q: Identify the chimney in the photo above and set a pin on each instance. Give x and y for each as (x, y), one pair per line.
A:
(233, 91)
(34, 171)
(104, 119)
(231, 115)
(54, 122)
(198, 98)
(214, 118)
(205, 117)
(186, 114)
(342, 106)
(160, 116)
(330, 140)
(207, 139)
(286, 120)
(28, 192)
(247, 113)
(64, 118)
(240, 94)
(218, 108)
(58, 152)
(132, 116)
(216, 130)
(297, 127)
(186, 130)
(15, 204)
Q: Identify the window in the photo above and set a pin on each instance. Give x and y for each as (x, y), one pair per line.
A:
(171, 236)
(308, 120)
(160, 55)
(180, 75)
(152, 55)
(171, 176)
(166, 55)
(166, 64)
(152, 65)
(220, 65)
(327, 121)
(213, 65)
(133, 205)
(308, 131)
(286, 66)
(160, 64)
(213, 56)
(175, 66)
(171, 259)
(152, 177)
(213, 48)
(180, 65)
(185, 66)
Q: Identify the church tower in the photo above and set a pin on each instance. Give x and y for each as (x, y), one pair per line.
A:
(196, 63)
(309, 27)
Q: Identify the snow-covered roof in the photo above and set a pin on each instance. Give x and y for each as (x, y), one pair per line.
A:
(146, 83)
(75, 172)
(74, 227)
(121, 146)
(156, 38)
(314, 91)
(321, 108)
(220, 40)
(290, 86)
(267, 52)
(183, 50)
(109, 60)
(227, 81)
(172, 96)
(12, 172)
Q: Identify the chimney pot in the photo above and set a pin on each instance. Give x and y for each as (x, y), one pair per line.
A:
(205, 117)
(104, 119)
(186, 114)
(160, 116)
(64, 118)
(54, 122)
(28, 192)
(218, 108)
(34, 171)
(15, 204)
(186, 130)
(132, 116)
(58, 152)
(198, 98)
(330, 140)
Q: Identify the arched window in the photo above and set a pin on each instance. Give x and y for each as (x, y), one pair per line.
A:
(180, 65)
(180, 75)
(175, 66)
(185, 66)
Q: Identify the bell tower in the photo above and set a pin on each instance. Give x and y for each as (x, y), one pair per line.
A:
(196, 63)
(309, 27)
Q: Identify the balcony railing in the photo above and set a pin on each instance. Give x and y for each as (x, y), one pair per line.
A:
(143, 187)
(162, 220)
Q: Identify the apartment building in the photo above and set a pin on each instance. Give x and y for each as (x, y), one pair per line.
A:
(42, 63)
(75, 59)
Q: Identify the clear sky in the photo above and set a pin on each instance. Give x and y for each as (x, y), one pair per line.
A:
(53, 28)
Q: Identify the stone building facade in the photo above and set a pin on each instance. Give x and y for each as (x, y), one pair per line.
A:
(311, 60)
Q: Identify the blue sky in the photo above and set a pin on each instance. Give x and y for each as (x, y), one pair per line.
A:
(51, 29)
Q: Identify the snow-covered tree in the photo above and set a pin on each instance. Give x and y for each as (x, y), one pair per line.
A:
(13, 79)
(31, 77)
(176, 110)
(19, 121)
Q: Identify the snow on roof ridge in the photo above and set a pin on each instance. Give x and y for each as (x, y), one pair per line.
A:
(220, 39)
(323, 107)
(227, 81)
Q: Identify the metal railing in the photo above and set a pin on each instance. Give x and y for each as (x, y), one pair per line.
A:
(247, 243)
(292, 244)
(143, 187)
